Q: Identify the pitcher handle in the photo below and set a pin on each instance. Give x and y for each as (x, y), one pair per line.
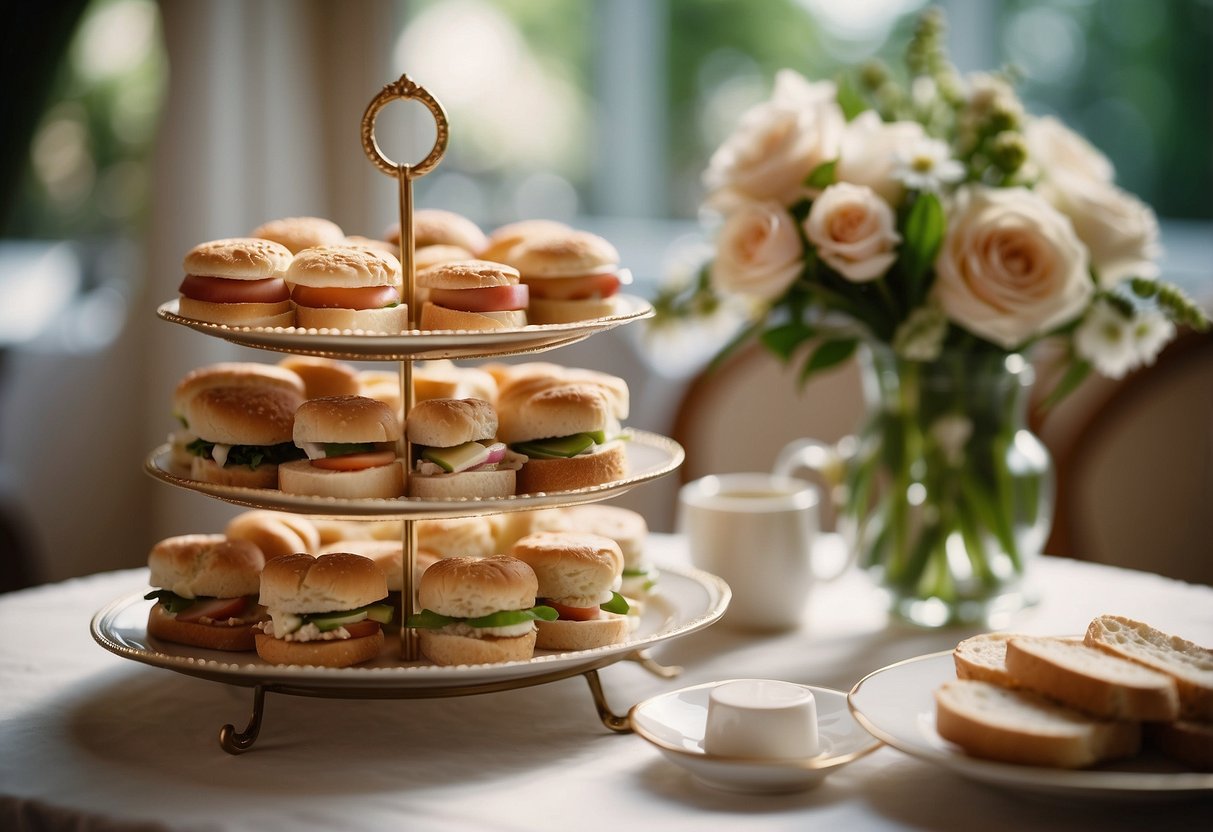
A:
(829, 462)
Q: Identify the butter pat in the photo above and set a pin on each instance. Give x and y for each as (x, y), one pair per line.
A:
(761, 719)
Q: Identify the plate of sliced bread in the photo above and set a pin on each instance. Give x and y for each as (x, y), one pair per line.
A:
(1124, 710)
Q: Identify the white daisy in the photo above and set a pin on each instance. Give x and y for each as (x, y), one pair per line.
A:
(1151, 332)
(1105, 338)
(927, 165)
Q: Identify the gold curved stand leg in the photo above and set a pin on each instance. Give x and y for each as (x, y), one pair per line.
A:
(645, 660)
(234, 742)
(618, 724)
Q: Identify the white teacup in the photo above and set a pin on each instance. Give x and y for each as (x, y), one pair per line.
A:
(761, 719)
(756, 531)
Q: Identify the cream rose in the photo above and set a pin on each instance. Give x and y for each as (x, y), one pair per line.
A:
(758, 252)
(1119, 230)
(854, 231)
(777, 144)
(870, 152)
(1011, 266)
(1053, 147)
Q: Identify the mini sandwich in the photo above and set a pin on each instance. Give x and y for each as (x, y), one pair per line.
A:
(207, 594)
(571, 277)
(324, 611)
(472, 294)
(577, 575)
(350, 442)
(347, 287)
(244, 434)
(388, 555)
(237, 282)
(435, 227)
(225, 374)
(568, 432)
(456, 452)
(630, 531)
(298, 233)
(478, 611)
(503, 240)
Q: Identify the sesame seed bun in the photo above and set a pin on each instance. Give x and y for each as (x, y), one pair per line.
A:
(467, 274)
(572, 568)
(301, 583)
(563, 255)
(555, 411)
(445, 423)
(238, 258)
(243, 415)
(432, 226)
(234, 374)
(343, 266)
(504, 239)
(345, 419)
(322, 376)
(298, 233)
(206, 565)
(463, 587)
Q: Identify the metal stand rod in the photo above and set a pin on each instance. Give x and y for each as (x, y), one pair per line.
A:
(618, 724)
(234, 742)
(662, 671)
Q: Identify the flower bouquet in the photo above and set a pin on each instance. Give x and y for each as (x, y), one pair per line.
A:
(927, 218)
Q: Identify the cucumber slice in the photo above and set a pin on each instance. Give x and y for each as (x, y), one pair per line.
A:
(383, 613)
(561, 447)
(458, 458)
(326, 621)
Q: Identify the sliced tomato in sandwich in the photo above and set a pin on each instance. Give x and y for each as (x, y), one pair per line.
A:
(573, 613)
(228, 290)
(355, 462)
(216, 609)
(486, 299)
(583, 287)
(361, 629)
(345, 297)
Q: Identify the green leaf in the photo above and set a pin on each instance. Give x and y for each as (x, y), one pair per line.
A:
(332, 449)
(172, 602)
(922, 234)
(822, 176)
(618, 604)
(829, 354)
(784, 339)
(849, 100)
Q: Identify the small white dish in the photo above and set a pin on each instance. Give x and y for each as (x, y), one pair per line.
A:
(675, 723)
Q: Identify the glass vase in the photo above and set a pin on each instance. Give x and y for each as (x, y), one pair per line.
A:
(948, 496)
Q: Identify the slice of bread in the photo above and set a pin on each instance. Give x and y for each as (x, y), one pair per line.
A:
(984, 657)
(1016, 726)
(1090, 680)
(1189, 664)
(1190, 743)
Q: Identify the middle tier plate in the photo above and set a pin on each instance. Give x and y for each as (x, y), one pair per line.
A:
(650, 456)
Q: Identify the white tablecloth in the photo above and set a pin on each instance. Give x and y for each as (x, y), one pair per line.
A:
(90, 740)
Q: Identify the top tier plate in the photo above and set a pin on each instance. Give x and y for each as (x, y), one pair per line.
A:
(417, 344)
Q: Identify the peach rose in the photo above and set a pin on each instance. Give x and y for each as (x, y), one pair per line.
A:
(777, 144)
(758, 252)
(1011, 267)
(854, 231)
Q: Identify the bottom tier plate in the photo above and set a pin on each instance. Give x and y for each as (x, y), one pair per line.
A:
(688, 600)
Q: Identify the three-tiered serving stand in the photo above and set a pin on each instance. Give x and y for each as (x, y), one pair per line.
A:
(688, 600)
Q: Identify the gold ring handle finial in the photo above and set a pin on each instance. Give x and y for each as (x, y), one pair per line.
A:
(404, 88)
